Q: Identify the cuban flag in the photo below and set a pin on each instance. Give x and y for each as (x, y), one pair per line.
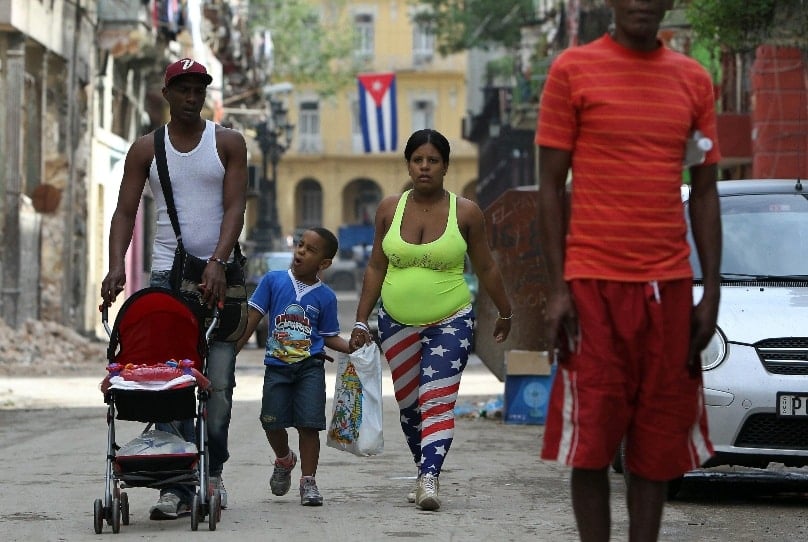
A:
(377, 111)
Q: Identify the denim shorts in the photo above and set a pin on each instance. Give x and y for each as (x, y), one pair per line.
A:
(294, 395)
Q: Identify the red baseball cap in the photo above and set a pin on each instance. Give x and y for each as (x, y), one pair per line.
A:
(186, 66)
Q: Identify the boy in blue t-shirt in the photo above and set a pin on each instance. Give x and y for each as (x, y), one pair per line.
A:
(302, 319)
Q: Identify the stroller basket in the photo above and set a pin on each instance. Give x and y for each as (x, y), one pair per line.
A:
(157, 459)
(155, 406)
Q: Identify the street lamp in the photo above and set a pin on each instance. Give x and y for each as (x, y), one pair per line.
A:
(274, 137)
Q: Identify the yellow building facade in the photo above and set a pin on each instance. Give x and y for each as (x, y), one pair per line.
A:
(326, 178)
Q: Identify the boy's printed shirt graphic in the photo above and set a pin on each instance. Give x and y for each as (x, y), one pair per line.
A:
(299, 317)
(291, 336)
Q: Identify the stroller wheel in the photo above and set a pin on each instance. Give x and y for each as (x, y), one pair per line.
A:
(116, 515)
(196, 509)
(218, 505)
(98, 516)
(214, 510)
(124, 508)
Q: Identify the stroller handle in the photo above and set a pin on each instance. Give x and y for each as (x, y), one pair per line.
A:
(213, 324)
(104, 308)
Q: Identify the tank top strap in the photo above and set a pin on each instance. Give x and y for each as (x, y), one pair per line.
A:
(451, 223)
(398, 216)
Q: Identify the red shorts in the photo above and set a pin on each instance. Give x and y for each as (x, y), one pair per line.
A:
(629, 378)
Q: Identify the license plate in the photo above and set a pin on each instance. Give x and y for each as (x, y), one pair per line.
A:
(792, 405)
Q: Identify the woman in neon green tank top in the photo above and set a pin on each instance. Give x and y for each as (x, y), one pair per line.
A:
(426, 320)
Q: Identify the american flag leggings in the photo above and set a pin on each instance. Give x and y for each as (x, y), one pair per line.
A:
(426, 363)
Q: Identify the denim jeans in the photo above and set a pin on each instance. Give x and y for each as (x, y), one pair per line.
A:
(221, 371)
(294, 395)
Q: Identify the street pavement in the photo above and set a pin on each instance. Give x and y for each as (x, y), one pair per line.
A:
(57, 428)
(493, 487)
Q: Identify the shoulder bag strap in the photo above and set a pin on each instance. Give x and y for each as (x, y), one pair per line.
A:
(165, 179)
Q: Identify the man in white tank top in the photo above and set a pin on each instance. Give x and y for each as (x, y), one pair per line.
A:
(207, 164)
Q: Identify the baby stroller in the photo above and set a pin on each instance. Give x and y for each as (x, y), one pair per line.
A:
(157, 358)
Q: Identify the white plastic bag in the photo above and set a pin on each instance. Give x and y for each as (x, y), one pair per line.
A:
(156, 442)
(356, 421)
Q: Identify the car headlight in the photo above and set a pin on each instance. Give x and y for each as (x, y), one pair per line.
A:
(715, 352)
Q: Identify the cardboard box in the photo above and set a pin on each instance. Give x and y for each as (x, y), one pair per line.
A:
(528, 380)
(527, 362)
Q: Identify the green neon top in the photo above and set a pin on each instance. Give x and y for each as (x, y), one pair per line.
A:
(424, 283)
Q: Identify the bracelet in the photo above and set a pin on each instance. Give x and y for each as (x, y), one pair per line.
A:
(500, 317)
(361, 325)
(218, 260)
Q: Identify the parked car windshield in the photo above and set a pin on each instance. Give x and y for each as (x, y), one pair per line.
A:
(258, 264)
(765, 236)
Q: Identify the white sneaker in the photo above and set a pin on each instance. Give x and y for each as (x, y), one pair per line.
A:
(426, 496)
(309, 493)
(169, 506)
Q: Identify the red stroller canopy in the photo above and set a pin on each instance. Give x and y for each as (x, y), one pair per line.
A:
(154, 326)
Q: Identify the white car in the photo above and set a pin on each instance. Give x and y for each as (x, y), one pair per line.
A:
(756, 366)
(342, 275)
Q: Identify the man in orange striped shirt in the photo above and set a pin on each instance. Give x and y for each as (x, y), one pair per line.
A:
(618, 112)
